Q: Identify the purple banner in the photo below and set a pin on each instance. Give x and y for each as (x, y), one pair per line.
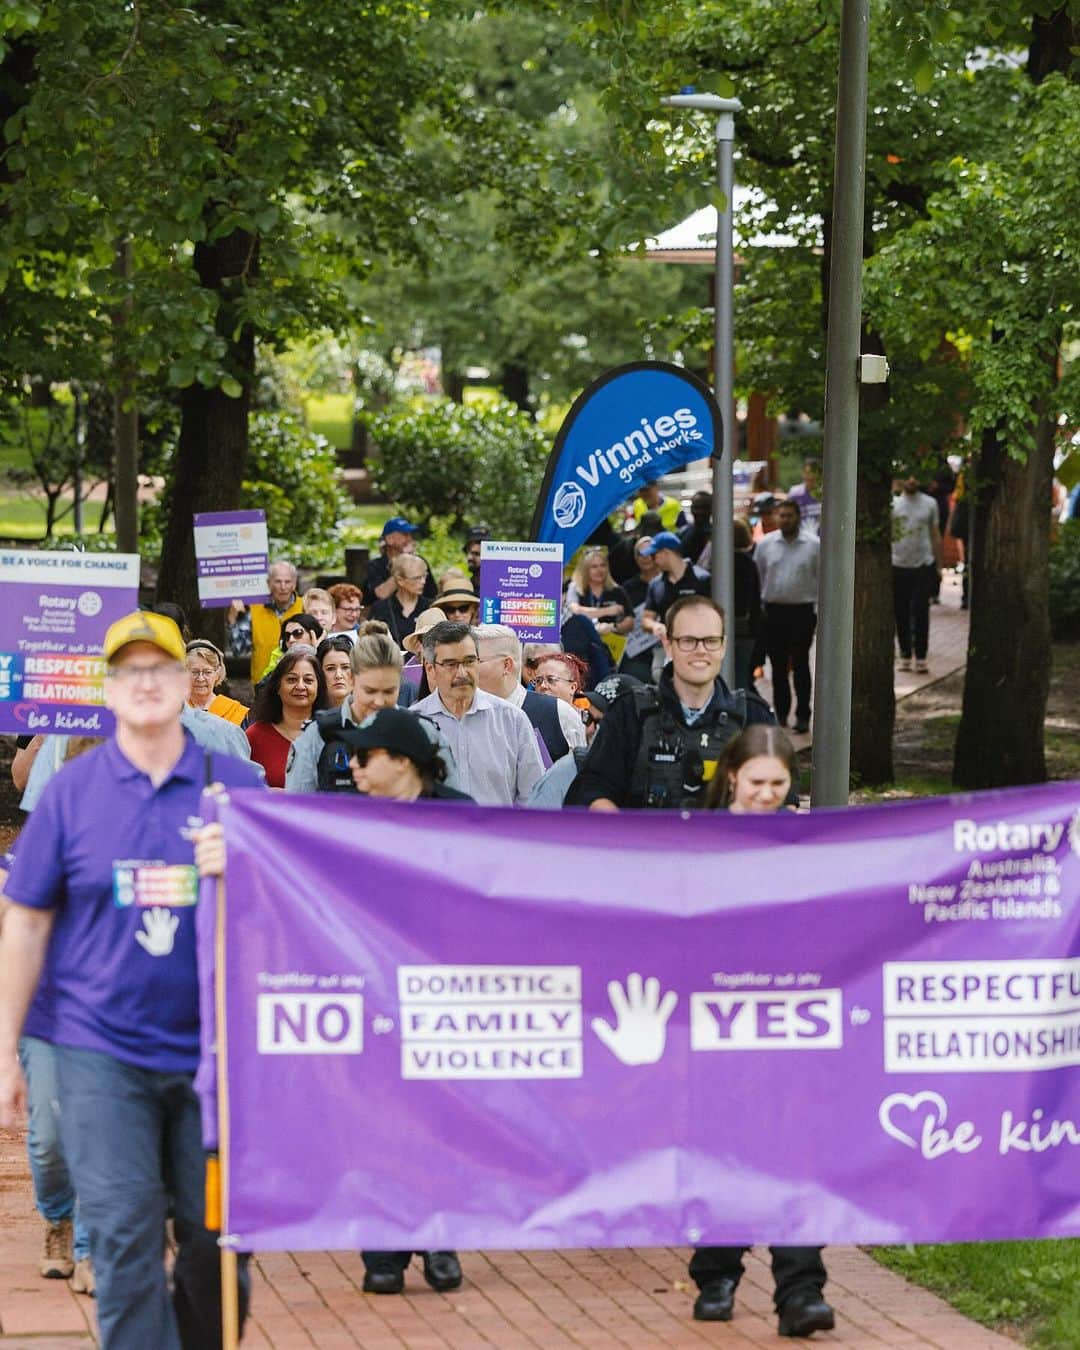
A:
(54, 613)
(488, 1028)
(231, 557)
(521, 587)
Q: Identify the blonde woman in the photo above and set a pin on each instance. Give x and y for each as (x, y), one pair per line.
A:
(206, 666)
(594, 595)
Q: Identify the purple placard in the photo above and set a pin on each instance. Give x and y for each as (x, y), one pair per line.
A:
(864, 1027)
(55, 611)
(521, 587)
(231, 556)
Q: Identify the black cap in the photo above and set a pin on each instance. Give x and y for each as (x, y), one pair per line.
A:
(477, 534)
(392, 729)
(609, 689)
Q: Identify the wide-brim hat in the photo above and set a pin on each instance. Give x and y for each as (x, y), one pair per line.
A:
(424, 624)
(458, 595)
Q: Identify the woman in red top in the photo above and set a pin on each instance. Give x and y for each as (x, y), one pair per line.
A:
(286, 701)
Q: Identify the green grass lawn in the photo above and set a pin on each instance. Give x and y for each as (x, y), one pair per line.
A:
(1032, 1288)
(24, 517)
(330, 415)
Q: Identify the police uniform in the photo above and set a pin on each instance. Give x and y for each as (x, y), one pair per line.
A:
(648, 754)
(651, 752)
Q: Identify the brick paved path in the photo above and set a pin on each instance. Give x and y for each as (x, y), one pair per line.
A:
(597, 1299)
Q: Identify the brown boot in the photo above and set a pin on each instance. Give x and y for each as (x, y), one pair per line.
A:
(56, 1259)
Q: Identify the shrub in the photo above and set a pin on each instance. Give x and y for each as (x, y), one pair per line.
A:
(292, 475)
(1065, 582)
(466, 463)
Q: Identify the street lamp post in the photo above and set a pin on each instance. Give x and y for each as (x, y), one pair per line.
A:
(723, 585)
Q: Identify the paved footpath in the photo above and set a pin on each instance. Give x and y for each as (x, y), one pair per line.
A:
(948, 651)
(637, 1298)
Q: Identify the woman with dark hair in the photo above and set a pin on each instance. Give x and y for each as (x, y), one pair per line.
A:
(755, 772)
(753, 777)
(296, 630)
(285, 701)
(334, 655)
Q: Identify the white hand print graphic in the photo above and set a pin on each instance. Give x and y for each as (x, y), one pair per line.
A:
(160, 934)
(641, 1016)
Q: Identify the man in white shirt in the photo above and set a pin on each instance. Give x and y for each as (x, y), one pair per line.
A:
(557, 722)
(787, 564)
(492, 742)
(916, 569)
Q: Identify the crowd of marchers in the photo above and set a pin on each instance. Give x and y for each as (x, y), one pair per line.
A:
(390, 689)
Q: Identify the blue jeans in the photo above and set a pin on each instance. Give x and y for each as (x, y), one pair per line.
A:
(133, 1141)
(53, 1191)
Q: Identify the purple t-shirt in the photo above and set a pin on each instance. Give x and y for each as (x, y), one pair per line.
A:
(105, 849)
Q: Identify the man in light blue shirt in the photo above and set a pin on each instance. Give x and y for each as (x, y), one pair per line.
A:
(492, 742)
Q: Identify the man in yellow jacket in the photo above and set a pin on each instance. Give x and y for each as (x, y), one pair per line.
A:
(266, 619)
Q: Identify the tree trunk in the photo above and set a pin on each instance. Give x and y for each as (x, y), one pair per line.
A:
(1000, 739)
(212, 449)
(514, 382)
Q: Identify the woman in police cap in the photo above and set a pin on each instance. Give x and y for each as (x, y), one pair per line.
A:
(396, 754)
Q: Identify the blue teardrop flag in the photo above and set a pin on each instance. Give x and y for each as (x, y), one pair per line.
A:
(633, 424)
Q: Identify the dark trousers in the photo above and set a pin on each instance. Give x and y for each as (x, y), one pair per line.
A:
(796, 1270)
(789, 631)
(133, 1141)
(912, 589)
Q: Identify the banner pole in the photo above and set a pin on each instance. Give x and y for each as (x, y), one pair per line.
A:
(230, 1300)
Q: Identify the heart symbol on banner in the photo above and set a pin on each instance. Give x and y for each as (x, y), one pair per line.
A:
(912, 1102)
(933, 1139)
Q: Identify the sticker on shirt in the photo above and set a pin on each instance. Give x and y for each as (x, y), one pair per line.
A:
(152, 884)
(158, 933)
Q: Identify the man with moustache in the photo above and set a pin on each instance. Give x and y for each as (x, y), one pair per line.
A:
(492, 742)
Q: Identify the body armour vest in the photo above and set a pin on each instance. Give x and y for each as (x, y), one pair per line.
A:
(334, 773)
(675, 763)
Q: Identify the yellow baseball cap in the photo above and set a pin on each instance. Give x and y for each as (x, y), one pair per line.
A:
(143, 626)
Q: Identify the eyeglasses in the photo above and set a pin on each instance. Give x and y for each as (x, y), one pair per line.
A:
(689, 644)
(158, 673)
(552, 679)
(466, 663)
(202, 674)
(457, 609)
(291, 634)
(348, 609)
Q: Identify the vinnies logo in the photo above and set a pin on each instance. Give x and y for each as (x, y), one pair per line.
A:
(568, 505)
(624, 458)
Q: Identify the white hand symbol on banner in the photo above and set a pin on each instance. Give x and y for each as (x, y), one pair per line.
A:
(161, 926)
(641, 1016)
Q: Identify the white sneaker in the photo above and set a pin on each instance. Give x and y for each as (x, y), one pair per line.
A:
(904, 663)
(922, 668)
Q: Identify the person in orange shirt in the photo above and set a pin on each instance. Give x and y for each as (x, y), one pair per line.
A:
(206, 666)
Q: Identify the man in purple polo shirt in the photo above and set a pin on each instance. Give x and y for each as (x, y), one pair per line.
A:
(103, 895)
